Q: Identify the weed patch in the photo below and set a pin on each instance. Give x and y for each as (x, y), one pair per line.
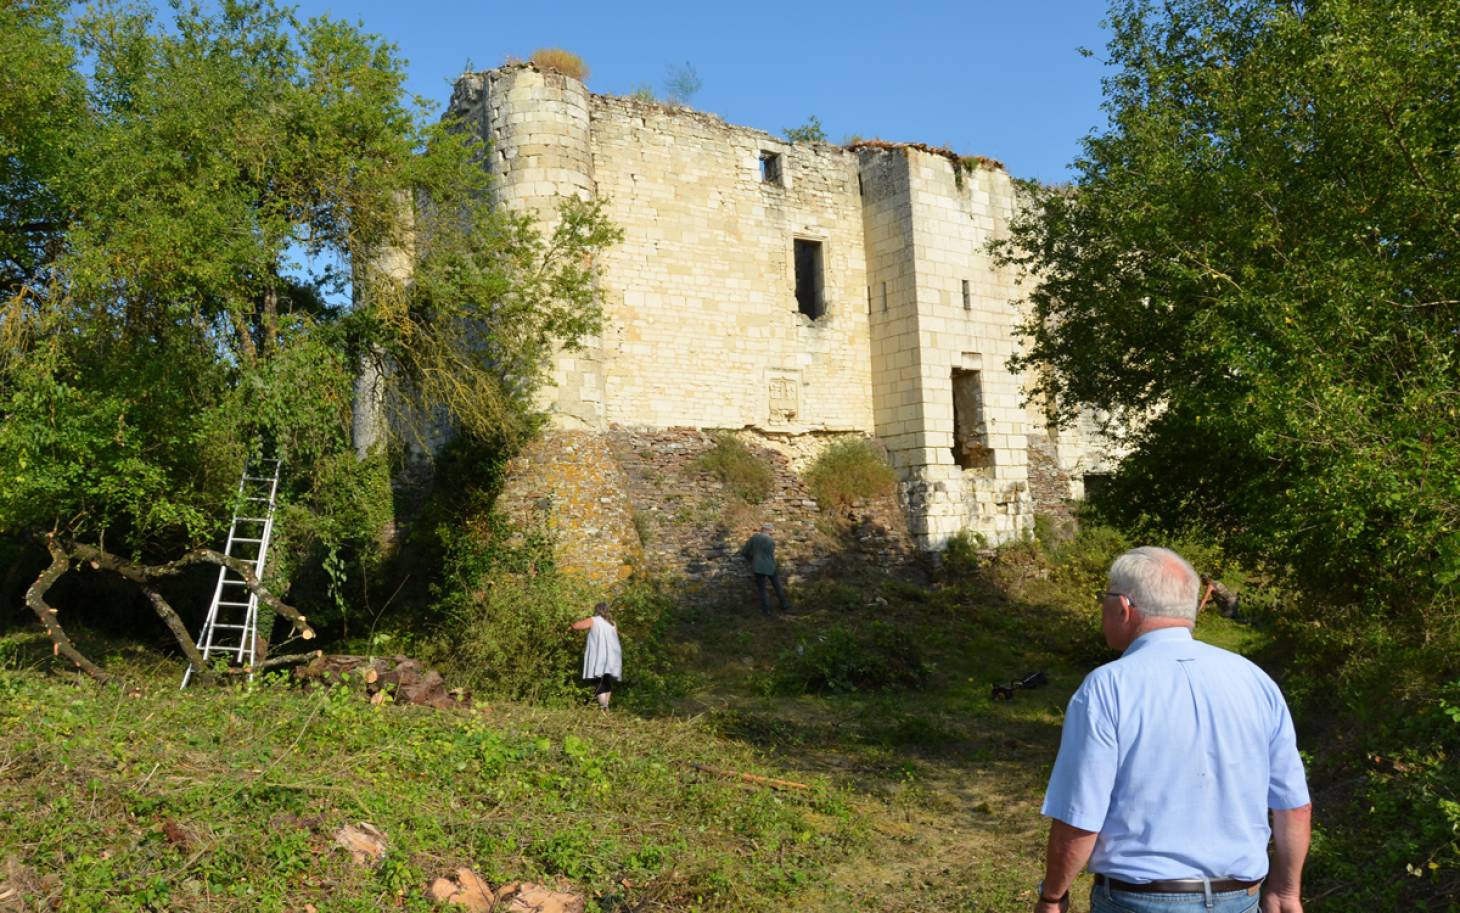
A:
(842, 659)
(849, 471)
(747, 476)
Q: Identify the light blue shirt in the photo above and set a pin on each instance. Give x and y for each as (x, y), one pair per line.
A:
(1173, 754)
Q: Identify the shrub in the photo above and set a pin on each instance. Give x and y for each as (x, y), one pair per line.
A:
(506, 608)
(848, 471)
(841, 659)
(960, 556)
(747, 476)
(506, 611)
(560, 61)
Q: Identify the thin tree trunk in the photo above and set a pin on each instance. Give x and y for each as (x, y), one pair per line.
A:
(35, 597)
(246, 347)
(271, 320)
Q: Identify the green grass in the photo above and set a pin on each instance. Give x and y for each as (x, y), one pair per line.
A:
(922, 798)
(228, 800)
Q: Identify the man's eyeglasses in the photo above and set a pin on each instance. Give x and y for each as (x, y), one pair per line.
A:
(1101, 595)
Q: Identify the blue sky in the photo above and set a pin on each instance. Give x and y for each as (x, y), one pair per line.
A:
(1001, 79)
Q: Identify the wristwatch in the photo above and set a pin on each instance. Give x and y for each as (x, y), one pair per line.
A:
(1054, 900)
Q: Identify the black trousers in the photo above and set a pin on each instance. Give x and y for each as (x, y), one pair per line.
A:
(775, 580)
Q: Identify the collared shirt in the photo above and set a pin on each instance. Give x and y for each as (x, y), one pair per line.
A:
(1173, 754)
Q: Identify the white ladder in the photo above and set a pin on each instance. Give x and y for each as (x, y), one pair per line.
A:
(248, 541)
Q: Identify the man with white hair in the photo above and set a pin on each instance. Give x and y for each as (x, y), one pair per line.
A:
(1171, 759)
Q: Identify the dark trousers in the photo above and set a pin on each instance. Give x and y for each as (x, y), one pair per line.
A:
(775, 580)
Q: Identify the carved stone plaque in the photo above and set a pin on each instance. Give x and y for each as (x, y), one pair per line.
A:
(784, 394)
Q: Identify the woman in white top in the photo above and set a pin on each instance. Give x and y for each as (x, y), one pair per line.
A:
(603, 658)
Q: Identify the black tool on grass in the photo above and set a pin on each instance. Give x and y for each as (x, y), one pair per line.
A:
(1005, 691)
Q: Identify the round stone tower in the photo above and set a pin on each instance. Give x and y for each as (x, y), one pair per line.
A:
(539, 150)
(536, 126)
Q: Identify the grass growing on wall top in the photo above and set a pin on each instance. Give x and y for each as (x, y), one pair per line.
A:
(849, 471)
(747, 476)
(560, 61)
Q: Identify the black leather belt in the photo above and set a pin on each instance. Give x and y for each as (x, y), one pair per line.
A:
(1178, 886)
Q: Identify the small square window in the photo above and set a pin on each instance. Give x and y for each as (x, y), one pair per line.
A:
(770, 167)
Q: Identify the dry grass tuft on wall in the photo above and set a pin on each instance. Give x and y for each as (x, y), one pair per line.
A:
(560, 61)
(747, 476)
(849, 471)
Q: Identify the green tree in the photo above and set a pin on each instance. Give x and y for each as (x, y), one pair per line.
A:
(163, 180)
(809, 132)
(1255, 272)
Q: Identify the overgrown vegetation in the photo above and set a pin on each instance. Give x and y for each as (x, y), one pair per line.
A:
(506, 608)
(849, 471)
(560, 61)
(157, 327)
(840, 659)
(748, 477)
(1252, 273)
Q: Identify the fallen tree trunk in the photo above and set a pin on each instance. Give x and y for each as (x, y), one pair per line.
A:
(63, 552)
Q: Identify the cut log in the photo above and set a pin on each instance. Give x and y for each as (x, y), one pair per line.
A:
(376, 676)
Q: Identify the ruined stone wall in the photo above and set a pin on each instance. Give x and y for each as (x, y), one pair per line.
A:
(703, 328)
(571, 484)
(690, 525)
(537, 129)
(702, 325)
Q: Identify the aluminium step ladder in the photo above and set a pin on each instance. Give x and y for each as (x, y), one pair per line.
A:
(231, 627)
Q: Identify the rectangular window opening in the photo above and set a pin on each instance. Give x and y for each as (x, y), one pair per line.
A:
(967, 298)
(810, 297)
(884, 297)
(970, 429)
(770, 167)
(869, 300)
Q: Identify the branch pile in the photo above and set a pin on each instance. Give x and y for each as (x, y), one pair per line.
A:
(66, 553)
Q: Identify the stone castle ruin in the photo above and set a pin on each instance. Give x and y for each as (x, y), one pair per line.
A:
(797, 291)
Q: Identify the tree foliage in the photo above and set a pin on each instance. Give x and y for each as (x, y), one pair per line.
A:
(1255, 272)
(809, 132)
(164, 185)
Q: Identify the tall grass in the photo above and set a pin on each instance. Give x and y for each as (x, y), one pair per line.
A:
(747, 476)
(849, 471)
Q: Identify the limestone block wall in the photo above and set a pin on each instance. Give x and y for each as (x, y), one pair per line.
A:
(536, 125)
(928, 221)
(703, 326)
(887, 214)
